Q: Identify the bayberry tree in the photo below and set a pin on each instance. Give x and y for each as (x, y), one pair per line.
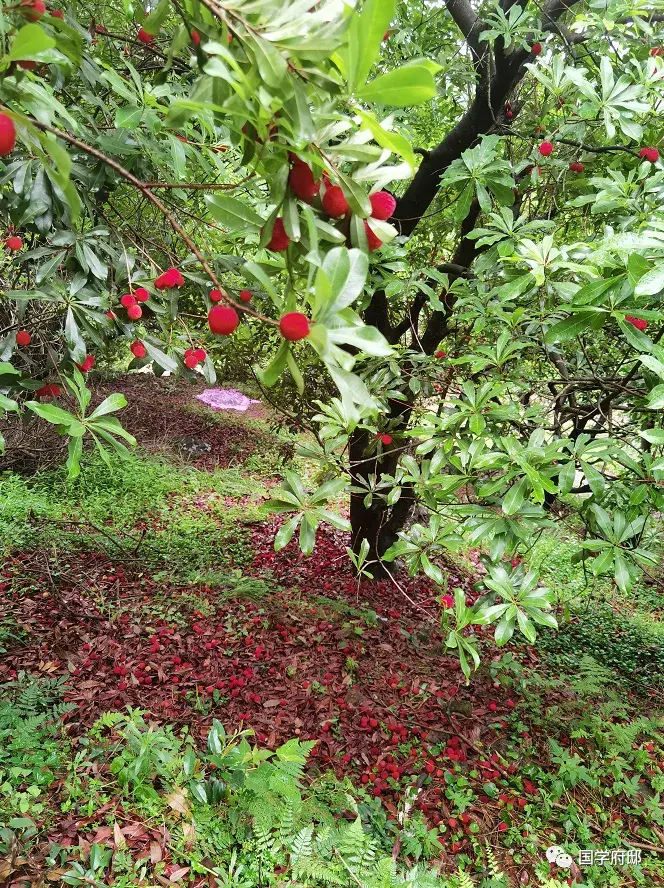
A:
(455, 210)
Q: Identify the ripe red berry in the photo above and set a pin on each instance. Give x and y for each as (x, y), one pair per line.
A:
(386, 439)
(651, 154)
(141, 294)
(58, 14)
(279, 240)
(639, 323)
(545, 149)
(14, 243)
(170, 278)
(35, 11)
(223, 319)
(144, 37)
(87, 365)
(302, 183)
(382, 205)
(334, 203)
(245, 295)
(373, 241)
(23, 338)
(137, 349)
(50, 390)
(452, 822)
(7, 134)
(440, 354)
(27, 65)
(134, 312)
(190, 359)
(294, 326)
(657, 51)
(536, 49)
(201, 354)
(215, 296)
(110, 315)
(127, 300)
(509, 115)
(195, 37)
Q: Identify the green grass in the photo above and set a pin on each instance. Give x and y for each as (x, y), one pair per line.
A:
(179, 515)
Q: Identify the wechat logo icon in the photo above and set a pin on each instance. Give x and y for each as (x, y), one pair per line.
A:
(556, 854)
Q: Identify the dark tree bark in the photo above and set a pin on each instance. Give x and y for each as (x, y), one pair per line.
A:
(498, 75)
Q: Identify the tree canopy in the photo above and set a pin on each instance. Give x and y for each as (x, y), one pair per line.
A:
(436, 229)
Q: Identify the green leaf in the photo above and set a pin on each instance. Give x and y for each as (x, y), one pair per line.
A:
(232, 213)
(152, 24)
(394, 142)
(114, 402)
(28, 43)
(514, 497)
(157, 355)
(7, 404)
(271, 374)
(408, 85)
(365, 36)
(272, 66)
(651, 283)
(52, 414)
(286, 532)
(569, 328)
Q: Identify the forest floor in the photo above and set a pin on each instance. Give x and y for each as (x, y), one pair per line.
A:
(155, 591)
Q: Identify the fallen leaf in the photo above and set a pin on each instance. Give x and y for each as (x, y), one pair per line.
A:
(178, 874)
(155, 852)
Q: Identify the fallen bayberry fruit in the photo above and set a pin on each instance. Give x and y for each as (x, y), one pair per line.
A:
(223, 320)
(294, 326)
(23, 338)
(536, 49)
(334, 202)
(7, 134)
(440, 354)
(137, 349)
(383, 205)
(279, 240)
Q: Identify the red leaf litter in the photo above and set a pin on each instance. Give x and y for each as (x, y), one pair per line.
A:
(307, 660)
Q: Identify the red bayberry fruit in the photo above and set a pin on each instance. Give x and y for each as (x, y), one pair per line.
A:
(110, 315)
(334, 203)
(216, 296)
(58, 14)
(536, 49)
(141, 294)
(509, 115)
(137, 349)
(87, 365)
(23, 338)
(35, 11)
(294, 326)
(639, 323)
(27, 65)
(545, 149)
(452, 822)
(651, 154)
(14, 243)
(302, 183)
(201, 354)
(190, 359)
(144, 37)
(279, 240)
(386, 439)
(170, 278)
(223, 319)
(134, 312)
(195, 37)
(127, 300)
(50, 390)
(373, 241)
(440, 354)
(245, 296)
(382, 205)
(7, 134)
(657, 51)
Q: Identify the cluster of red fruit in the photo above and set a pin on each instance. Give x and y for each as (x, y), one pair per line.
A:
(384, 439)
(509, 114)
(304, 186)
(651, 154)
(130, 302)
(194, 356)
(576, 167)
